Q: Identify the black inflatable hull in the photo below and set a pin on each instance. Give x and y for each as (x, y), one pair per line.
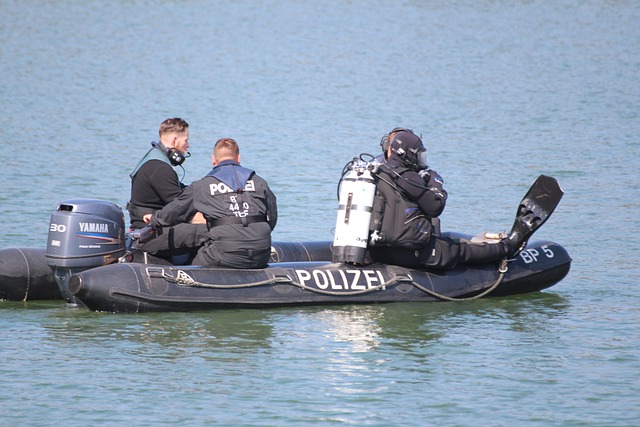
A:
(25, 275)
(138, 287)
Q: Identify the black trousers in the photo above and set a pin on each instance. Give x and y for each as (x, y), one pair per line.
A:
(440, 252)
(180, 239)
(231, 254)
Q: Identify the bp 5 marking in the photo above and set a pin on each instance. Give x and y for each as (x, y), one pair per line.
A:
(532, 255)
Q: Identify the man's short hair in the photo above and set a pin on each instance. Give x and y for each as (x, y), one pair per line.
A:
(175, 125)
(226, 148)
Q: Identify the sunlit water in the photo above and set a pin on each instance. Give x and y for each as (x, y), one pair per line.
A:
(501, 92)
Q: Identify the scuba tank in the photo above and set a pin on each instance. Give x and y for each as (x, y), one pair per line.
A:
(357, 191)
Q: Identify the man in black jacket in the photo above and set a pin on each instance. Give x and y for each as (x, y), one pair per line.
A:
(154, 183)
(239, 207)
(408, 197)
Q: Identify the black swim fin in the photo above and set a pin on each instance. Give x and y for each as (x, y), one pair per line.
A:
(534, 210)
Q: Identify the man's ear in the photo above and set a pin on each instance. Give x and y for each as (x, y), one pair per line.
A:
(213, 160)
(172, 141)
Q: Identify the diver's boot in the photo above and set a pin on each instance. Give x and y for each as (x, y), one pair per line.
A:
(534, 209)
(480, 253)
(516, 242)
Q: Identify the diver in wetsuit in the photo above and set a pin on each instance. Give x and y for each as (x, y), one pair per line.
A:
(408, 198)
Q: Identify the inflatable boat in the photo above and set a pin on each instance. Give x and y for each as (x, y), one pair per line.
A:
(90, 261)
(25, 275)
(139, 287)
(300, 273)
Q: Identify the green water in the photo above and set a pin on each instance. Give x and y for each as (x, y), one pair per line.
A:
(501, 91)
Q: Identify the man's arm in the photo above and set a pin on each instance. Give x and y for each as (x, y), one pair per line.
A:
(431, 197)
(180, 209)
(272, 208)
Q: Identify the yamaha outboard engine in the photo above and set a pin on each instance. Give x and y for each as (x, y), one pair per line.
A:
(83, 234)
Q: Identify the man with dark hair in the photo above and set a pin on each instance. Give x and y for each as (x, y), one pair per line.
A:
(239, 207)
(155, 182)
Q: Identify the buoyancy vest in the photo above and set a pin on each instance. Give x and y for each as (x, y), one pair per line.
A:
(136, 211)
(398, 220)
(153, 154)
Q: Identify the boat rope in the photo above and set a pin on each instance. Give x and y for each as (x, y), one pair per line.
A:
(502, 270)
(186, 280)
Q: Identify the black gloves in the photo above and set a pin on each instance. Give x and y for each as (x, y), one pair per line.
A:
(434, 182)
(431, 178)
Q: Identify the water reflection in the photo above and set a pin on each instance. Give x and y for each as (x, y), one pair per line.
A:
(238, 330)
(410, 327)
(406, 327)
(420, 330)
(357, 326)
(372, 350)
(362, 353)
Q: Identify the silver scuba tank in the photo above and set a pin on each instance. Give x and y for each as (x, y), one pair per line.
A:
(357, 191)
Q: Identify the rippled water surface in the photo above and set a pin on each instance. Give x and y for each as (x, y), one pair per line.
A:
(501, 92)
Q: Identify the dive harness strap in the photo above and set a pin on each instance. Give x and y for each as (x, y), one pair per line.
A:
(245, 220)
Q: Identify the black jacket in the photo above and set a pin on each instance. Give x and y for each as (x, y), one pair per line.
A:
(239, 207)
(153, 184)
(404, 206)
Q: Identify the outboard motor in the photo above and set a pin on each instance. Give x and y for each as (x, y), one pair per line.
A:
(83, 234)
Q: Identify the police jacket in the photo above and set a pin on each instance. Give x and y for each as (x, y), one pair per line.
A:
(154, 183)
(240, 208)
(404, 206)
